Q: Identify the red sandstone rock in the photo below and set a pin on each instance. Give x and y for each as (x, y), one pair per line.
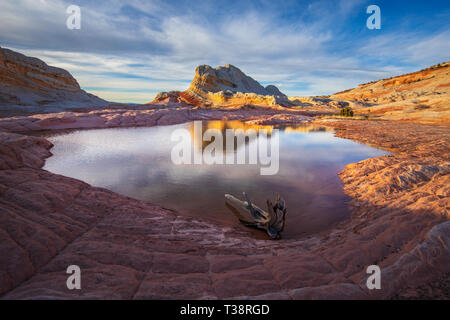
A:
(128, 249)
(30, 85)
(223, 86)
(420, 96)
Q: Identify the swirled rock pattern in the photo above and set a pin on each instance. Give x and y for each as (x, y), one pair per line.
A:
(129, 249)
(421, 96)
(29, 85)
(225, 86)
(151, 116)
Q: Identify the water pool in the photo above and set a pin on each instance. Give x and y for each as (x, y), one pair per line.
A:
(136, 162)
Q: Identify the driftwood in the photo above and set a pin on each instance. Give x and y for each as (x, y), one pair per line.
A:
(272, 220)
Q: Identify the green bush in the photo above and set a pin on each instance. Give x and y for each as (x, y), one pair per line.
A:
(346, 112)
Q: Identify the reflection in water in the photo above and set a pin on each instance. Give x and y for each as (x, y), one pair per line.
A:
(136, 162)
(235, 125)
(226, 143)
(222, 126)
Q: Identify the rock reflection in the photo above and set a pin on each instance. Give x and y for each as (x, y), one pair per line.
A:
(136, 162)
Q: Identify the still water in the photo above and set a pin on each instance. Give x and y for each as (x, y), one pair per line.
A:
(136, 162)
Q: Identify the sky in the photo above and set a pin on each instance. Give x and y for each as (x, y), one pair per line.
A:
(128, 51)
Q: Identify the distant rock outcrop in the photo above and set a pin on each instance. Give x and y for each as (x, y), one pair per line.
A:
(223, 86)
(227, 79)
(274, 91)
(30, 85)
(430, 81)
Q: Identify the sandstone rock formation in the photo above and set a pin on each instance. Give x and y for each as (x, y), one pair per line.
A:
(422, 96)
(151, 116)
(320, 103)
(227, 78)
(129, 249)
(30, 85)
(224, 86)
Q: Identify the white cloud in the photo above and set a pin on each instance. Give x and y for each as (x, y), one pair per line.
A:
(436, 48)
(410, 47)
(160, 46)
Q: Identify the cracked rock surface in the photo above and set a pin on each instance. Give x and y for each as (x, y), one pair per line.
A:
(129, 249)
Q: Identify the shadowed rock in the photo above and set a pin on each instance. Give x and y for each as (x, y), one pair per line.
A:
(129, 249)
(30, 85)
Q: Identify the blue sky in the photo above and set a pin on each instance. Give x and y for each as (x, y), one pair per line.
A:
(128, 51)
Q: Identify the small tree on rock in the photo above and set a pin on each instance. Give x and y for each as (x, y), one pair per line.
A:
(346, 112)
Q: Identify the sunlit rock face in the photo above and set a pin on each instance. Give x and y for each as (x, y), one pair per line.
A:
(421, 96)
(29, 84)
(228, 79)
(427, 82)
(226, 85)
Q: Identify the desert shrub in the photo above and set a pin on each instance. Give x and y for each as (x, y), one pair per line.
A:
(248, 107)
(346, 112)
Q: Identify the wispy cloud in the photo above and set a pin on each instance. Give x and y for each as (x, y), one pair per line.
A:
(144, 47)
(410, 48)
